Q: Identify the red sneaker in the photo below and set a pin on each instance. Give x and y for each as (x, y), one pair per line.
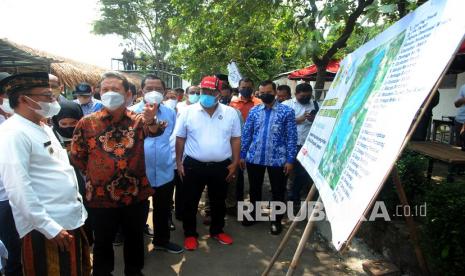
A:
(223, 238)
(190, 243)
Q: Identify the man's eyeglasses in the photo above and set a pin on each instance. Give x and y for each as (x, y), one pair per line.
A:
(194, 92)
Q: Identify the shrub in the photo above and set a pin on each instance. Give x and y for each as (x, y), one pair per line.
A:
(443, 235)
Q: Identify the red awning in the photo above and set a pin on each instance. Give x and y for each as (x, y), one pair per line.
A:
(462, 49)
(310, 71)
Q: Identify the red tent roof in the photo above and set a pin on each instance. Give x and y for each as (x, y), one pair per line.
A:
(311, 70)
(462, 48)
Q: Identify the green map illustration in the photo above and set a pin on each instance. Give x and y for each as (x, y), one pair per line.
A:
(369, 75)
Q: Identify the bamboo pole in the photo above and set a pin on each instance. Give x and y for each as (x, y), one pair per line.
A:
(286, 237)
(300, 248)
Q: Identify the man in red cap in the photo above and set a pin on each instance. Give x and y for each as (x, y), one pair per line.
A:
(207, 152)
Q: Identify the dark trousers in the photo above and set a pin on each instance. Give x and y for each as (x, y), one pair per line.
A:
(105, 223)
(178, 195)
(278, 181)
(301, 179)
(197, 175)
(162, 201)
(240, 185)
(10, 238)
(458, 141)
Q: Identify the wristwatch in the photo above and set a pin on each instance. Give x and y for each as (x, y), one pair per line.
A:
(154, 122)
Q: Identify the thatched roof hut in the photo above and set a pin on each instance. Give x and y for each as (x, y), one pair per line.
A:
(70, 72)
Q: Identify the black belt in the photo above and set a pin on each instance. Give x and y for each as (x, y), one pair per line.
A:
(191, 161)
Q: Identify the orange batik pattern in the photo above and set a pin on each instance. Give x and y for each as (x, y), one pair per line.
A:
(111, 155)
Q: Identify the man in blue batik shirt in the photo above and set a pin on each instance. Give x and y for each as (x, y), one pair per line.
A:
(159, 163)
(269, 142)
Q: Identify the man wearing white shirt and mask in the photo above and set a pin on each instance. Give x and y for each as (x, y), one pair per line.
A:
(8, 234)
(305, 110)
(193, 96)
(40, 183)
(171, 99)
(5, 109)
(207, 153)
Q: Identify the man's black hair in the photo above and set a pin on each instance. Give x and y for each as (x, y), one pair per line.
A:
(246, 80)
(286, 88)
(151, 77)
(179, 90)
(13, 98)
(226, 87)
(268, 82)
(303, 87)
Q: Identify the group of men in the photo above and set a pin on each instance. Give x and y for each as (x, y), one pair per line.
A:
(55, 202)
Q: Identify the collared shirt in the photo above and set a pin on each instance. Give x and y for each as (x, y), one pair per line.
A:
(244, 105)
(181, 107)
(111, 156)
(269, 136)
(159, 161)
(208, 138)
(461, 110)
(303, 128)
(40, 182)
(92, 106)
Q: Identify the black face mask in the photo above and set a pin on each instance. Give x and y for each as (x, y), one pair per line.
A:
(65, 132)
(246, 92)
(267, 98)
(68, 110)
(304, 100)
(225, 100)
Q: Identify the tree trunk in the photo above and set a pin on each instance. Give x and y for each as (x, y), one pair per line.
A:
(320, 79)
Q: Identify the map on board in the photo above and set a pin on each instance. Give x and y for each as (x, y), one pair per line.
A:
(363, 122)
(369, 76)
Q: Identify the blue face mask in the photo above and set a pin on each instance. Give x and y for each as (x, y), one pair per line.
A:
(207, 101)
(194, 98)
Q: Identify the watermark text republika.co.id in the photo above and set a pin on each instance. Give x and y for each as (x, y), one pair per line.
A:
(270, 210)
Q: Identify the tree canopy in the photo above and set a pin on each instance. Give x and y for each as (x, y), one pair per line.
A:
(264, 37)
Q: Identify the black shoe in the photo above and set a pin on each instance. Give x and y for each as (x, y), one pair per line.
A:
(247, 222)
(276, 228)
(169, 247)
(148, 231)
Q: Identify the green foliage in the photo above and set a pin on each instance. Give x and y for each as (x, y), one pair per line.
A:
(443, 228)
(256, 34)
(265, 37)
(411, 167)
(144, 23)
(442, 238)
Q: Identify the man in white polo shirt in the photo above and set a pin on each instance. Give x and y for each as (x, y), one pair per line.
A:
(207, 153)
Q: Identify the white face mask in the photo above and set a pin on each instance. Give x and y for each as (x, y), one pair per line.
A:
(47, 110)
(171, 103)
(153, 97)
(112, 100)
(6, 106)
